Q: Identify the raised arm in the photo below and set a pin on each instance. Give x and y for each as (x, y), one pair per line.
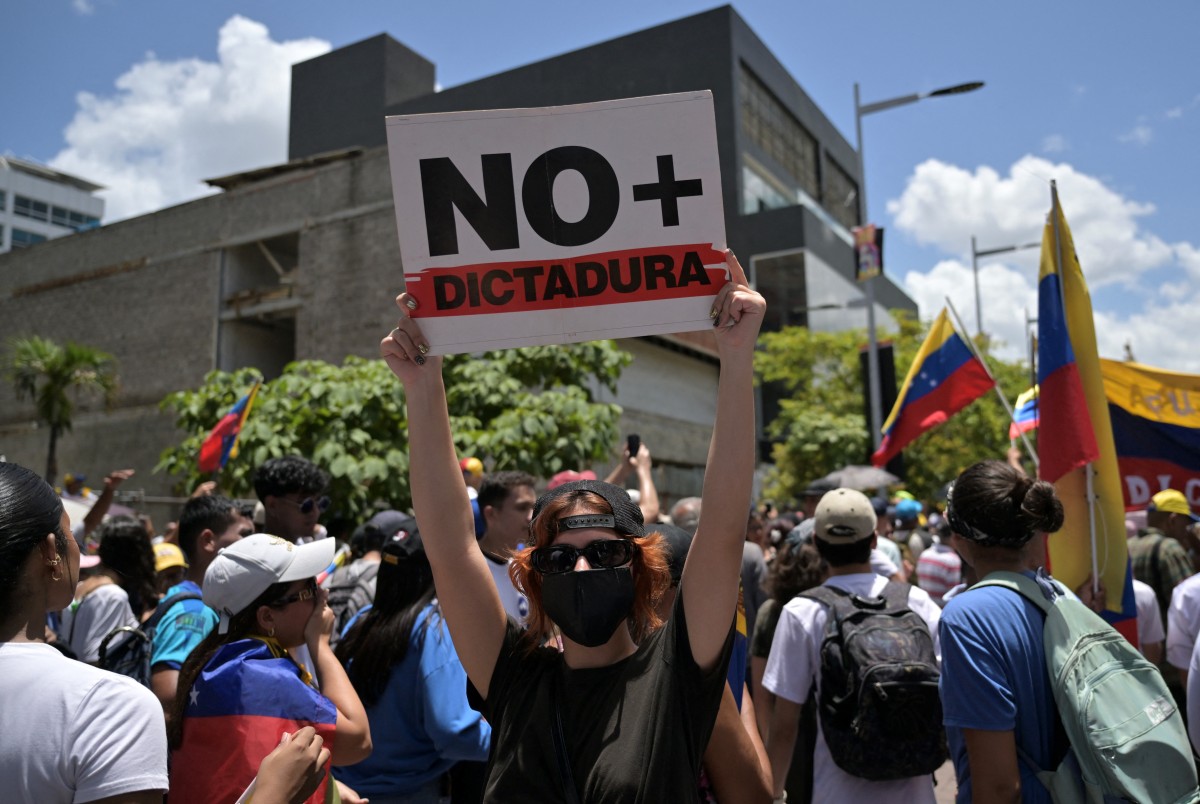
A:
(470, 603)
(713, 568)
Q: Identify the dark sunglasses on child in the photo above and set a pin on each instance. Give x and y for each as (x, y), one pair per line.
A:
(600, 554)
(307, 593)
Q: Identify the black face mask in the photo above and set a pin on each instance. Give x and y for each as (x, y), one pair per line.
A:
(588, 605)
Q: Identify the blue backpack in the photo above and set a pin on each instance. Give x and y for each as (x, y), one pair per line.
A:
(1128, 741)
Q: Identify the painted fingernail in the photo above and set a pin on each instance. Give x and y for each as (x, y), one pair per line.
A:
(420, 361)
(423, 349)
(713, 313)
(410, 303)
(716, 321)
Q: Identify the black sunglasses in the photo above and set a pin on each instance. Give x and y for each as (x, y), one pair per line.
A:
(306, 593)
(308, 503)
(601, 554)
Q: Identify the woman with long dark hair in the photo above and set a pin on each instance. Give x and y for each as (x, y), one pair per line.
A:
(402, 662)
(119, 590)
(68, 732)
(623, 713)
(240, 689)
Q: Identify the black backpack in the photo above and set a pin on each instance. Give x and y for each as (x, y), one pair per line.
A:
(347, 594)
(878, 700)
(126, 650)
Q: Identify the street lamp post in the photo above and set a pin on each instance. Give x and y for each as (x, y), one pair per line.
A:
(875, 394)
(975, 255)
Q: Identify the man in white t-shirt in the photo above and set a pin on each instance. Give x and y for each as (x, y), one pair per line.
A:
(1183, 624)
(506, 500)
(844, 535)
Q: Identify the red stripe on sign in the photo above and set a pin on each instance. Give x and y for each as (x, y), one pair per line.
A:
(615, 277)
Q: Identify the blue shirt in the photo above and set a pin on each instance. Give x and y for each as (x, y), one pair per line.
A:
(181, 629)
(421, 725)
(994, 678)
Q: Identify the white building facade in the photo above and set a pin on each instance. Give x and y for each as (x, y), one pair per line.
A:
(38, 203)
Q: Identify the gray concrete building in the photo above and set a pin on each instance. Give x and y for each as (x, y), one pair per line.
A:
(300, 260)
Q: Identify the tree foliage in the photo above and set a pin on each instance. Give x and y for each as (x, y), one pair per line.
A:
(822, 427)
(49, 374)
(531, 409)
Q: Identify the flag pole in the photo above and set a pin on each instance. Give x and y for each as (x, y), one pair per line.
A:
(1089, 470)
(1012, 416)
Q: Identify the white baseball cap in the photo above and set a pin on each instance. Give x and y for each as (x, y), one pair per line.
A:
(844, 516)
(248, 567)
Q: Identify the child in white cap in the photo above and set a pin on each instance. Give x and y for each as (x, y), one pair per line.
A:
(240, 690)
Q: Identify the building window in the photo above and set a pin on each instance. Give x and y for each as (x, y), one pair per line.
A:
(841, 194)
(777, 132)
(759, 191)
(29, 208)
(3, 201)
(24, 239)
(76, 221)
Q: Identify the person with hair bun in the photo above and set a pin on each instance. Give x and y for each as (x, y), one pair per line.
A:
(68, 732)
(998, 705)
(623, 713)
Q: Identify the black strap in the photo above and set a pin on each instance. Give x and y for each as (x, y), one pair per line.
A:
(565, 777)
(163, 607)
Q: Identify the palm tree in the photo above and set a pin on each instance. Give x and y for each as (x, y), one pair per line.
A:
(48, 374)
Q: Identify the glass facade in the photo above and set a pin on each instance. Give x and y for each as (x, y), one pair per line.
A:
(24, 239)
(41, 211)
(841, 194)
(770, 126)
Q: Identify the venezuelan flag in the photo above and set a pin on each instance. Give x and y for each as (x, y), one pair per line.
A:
(1025, 413)
(1156, 430)
(240, 705)
(1076, 429)
(221, 443)
(945, 377)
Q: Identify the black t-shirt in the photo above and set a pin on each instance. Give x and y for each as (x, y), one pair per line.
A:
(635, 730)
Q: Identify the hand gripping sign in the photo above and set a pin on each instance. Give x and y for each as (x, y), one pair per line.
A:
(571, 223)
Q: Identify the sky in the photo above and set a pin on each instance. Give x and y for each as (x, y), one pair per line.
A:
(150, 97)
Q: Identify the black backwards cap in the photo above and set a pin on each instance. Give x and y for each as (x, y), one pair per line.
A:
(626, 517)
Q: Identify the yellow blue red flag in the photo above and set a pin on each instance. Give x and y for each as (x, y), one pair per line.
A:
(1075, 428)
(221, 443)
(944, 378)
(1156, 428)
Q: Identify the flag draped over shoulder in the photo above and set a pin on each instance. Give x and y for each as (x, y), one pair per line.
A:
(240, 705)
(1025, 413)
(1156, 429)
(1075, 428)
(945, 377)
(221, 443)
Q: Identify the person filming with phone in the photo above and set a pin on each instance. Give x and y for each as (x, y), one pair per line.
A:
(635, 459)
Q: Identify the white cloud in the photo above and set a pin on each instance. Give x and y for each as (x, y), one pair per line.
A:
(171, 124)
(1138, 135)
(1175, 113)
(1054, 144)
(83, 6)
(943, 205)
(1006, 293)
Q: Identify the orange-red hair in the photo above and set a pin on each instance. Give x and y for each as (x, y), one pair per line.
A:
(651, 577)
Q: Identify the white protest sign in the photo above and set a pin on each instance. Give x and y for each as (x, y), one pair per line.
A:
(569, 223)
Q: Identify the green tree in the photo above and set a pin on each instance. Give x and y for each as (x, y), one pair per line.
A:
(532, 409)
(49, 374)
(821, 424)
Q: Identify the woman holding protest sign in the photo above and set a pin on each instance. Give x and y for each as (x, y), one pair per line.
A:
(624, 711)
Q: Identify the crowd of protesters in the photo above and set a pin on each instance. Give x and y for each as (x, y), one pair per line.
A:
(549, 639)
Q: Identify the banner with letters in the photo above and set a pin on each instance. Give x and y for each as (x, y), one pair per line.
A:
(571, 223)
(1156, 427)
